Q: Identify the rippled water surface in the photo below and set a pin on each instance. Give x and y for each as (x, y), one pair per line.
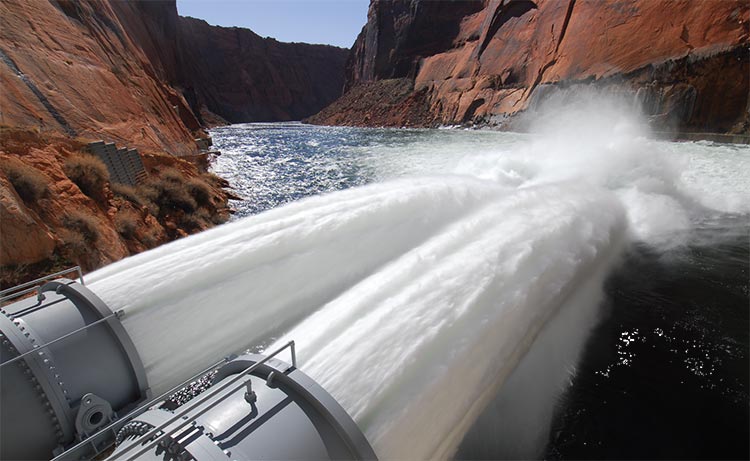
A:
(665, 372)
(579, 292)
(275, 163)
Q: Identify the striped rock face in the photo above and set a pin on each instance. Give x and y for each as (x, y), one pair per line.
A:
(478, 62)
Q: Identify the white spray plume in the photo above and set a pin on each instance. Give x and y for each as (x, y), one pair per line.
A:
(414, 301)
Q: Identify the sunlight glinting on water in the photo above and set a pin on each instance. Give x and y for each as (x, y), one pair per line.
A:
(414, 298)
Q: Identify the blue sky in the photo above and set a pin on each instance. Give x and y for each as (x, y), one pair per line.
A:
(333, 22)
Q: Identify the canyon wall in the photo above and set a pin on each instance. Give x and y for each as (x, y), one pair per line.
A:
(137, 74)
(243, 77)
(483, 61)
(72, 67)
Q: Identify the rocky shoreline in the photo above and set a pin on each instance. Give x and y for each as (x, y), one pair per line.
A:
(60, 207)
(138, 75)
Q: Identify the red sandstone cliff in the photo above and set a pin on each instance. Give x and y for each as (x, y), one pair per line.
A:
(78, 70)
(478, 61)
(118, 70)
(71, 67)
(233, 72)
(243, 77)
(58, 207)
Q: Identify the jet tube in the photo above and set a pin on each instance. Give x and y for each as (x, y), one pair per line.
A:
(73, 387)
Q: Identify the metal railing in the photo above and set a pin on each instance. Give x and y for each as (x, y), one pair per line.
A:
(66, 455)
(33, 285)
(154, 433)
(37, 347)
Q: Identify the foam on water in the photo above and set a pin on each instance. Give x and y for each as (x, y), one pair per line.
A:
(414, 300)
(199, 298)
(436, 330)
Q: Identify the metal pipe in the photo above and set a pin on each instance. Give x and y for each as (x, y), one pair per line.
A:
(74, 332)
(139, 410)
(55, 355)
(199, 401)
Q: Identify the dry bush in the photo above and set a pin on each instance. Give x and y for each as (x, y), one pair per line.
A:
(126, 223)
(219, 218)
(169, 196)
(172, 174)
(74, 243)
(75, 144)
(89, 174)
(83, 224)
(151, 238)
(129, 193)
(194, 222)
(153, 208)
(29, 183)
(200, 191)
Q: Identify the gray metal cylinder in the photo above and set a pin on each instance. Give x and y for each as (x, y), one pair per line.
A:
(275, 412)
(67, 369)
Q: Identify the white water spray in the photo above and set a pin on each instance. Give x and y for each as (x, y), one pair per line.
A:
(435, 331)
(197, 299)
(413, 301)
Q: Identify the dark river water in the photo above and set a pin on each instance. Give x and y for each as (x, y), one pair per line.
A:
(664, 372)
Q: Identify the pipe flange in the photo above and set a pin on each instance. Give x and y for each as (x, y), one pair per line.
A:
(45, 354)
(18, 338)
(93, 414)
(101, 360)
(82, 296)
(34, 384)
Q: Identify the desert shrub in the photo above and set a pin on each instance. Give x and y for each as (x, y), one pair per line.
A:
(169, 195)
(77, 144)
(153, 208)
(129, 193)
(172, 175)
(29, 183)
(126, 223)
(83, 224)
(151, 237)
(194, 222)
(74, 243)
(219, 218)
(88, 173)
(200, 191)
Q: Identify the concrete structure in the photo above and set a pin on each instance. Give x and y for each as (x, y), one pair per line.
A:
(125, 165)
